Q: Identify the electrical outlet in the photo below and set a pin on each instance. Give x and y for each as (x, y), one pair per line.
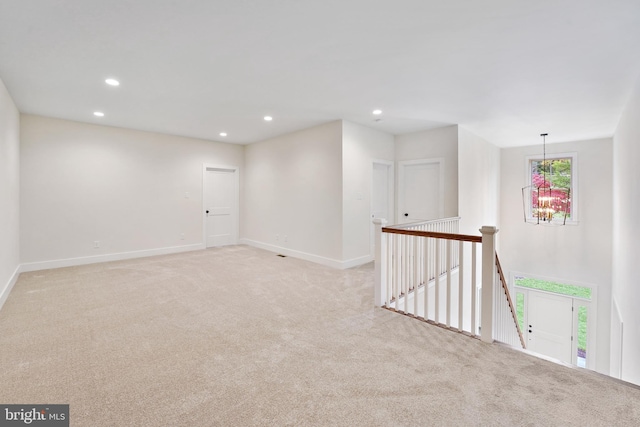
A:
(277, 237)
(285, 237)
(181, 236)
(96, 244)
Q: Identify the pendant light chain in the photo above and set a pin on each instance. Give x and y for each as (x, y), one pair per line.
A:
(546, 204)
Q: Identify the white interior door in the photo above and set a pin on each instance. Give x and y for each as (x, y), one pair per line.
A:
(381, 196)
(420, 190)
(220, 203)
(550, 325)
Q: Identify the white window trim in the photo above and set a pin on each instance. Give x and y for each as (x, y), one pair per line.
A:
(575, 207)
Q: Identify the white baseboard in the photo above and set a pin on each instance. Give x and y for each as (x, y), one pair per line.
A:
(70, 262)
(354, 262)
(4, 294)
(329, 262)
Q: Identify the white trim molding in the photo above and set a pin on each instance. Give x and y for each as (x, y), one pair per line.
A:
(392, 187)
(6, 290)
(329, 262)
(71, 262)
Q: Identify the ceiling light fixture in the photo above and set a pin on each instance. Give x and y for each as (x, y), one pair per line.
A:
(98, 113)
(377, 112)
(548, 203)
(223, 134)
(112, 82)
(268, 118)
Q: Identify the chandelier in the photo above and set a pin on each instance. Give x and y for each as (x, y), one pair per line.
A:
(543, 201)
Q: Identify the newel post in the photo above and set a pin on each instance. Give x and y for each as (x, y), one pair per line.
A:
(380, 262)
(488, 281)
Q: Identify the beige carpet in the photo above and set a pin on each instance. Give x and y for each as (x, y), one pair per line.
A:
(240, 337)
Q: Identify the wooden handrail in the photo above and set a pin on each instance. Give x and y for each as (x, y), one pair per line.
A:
(511, 307)
(435, 235)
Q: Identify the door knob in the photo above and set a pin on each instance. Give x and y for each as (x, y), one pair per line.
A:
(207, 211)
(529, 330)
(406, 214)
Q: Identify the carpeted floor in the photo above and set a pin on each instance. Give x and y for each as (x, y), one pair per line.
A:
(237, 336)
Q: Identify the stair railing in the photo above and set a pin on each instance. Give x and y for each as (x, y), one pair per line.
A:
(443, 278)
(506, 315)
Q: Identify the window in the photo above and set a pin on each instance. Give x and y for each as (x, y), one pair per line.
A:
(551, 192)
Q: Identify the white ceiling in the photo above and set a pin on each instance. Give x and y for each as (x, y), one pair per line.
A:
(506, 70)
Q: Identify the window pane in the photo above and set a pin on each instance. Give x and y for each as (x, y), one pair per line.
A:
(551, 188)
(520, 309)
(582, 336)
(559, 288)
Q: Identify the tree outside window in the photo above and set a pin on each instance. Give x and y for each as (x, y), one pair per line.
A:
(550, 193)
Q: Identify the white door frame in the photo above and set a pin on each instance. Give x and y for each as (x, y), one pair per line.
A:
(391, 181)
(400, 195)
(236, 203)
(592, 316)
(390, 193)
(617, 340)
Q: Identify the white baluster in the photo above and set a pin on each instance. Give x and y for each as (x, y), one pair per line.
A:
(396, 270)
(460, 284)
(448, 267)
(474, 289)
(405, 272)
(437, 281)
(425, 243)
(390, 271)
(416, 275)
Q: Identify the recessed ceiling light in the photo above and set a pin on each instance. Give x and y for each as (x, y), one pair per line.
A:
(98, 113)
(112, 82)
(377, 112)
(268, 118)
(223, 134)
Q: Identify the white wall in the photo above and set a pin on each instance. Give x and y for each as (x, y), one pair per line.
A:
(127, 189)
(575, 253)
(626, 235)
(478, 182)
(293, 188)
(440, 142)
(9, 192)
(360, 146)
